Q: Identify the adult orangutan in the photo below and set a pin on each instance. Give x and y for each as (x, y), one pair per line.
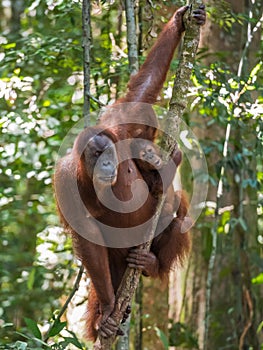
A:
(110, 166)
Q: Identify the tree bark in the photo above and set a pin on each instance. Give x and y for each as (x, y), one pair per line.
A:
(86, 28)
(131, 36)
(231, 312)
(17, 7)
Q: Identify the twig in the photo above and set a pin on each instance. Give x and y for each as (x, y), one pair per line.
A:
(101, 104)
(248, 299)
(86, 59)
(65, 306)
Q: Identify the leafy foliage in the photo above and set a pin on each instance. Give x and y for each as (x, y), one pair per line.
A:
(35, 64)
(181, 336)
(41, 99)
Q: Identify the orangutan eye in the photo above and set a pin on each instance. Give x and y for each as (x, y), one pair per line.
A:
(97, 154)
(149, 150)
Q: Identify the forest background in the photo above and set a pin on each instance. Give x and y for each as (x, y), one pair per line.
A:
(216, 302)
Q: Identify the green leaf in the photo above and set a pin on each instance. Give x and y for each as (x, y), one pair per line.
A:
(162, 337)
(36, 340)
(31, 279)
(260, 327)
(33, 327)
(9, 46)
(73, 341)
(243, 224)
(256, 69)
(57, 328)
(258, 279)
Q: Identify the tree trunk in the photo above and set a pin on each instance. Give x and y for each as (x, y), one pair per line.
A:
(232, 316)
(17, 7)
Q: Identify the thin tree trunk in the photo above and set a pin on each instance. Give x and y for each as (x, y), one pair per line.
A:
(231, 312)
(123, 342)
(117, 79)
(17, 7)
(138, 316)
(86, 28)
(131, 36)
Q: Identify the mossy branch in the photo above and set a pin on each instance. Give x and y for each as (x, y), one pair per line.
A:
(86, 45)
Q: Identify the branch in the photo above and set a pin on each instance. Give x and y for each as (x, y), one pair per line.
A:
(86, 45)
(100, 103)
(131, 36)
(65, 306)
(182, 80)
(177, 105)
